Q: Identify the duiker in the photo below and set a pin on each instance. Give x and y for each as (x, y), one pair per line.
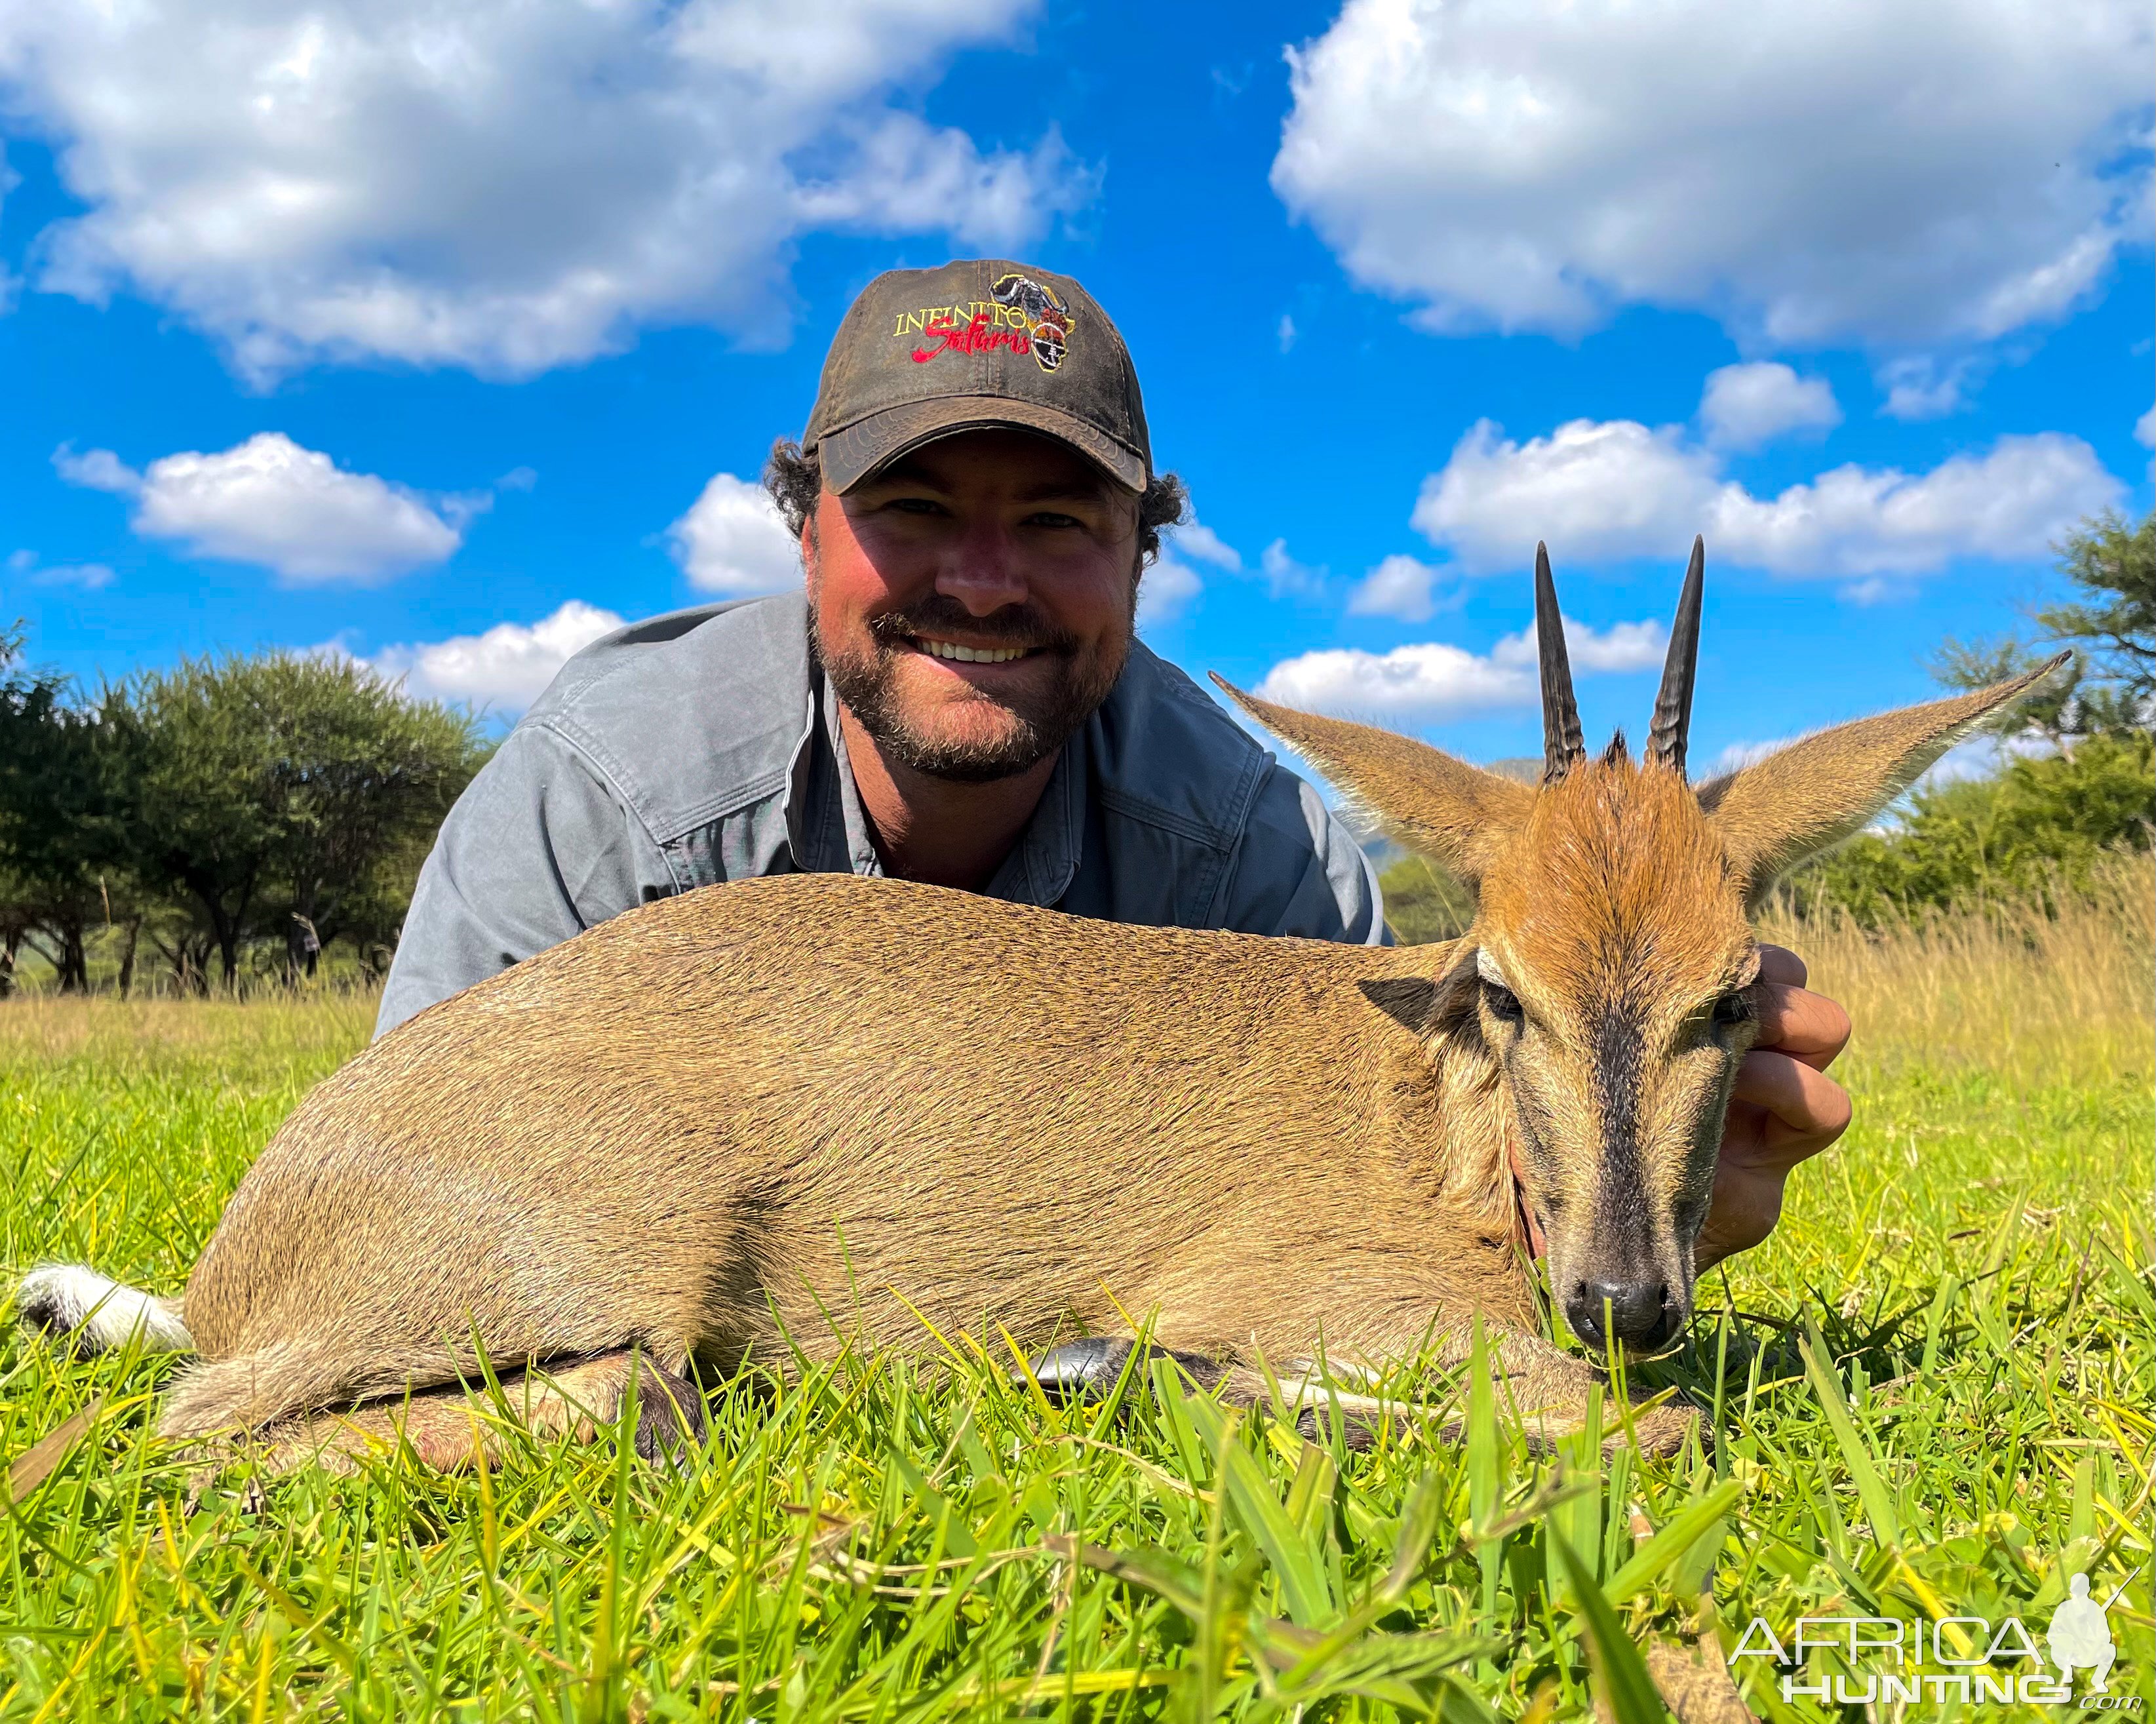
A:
(822, 1108)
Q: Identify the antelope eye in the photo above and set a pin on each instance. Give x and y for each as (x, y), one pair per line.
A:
(1502, 1002)
(1732, 1008)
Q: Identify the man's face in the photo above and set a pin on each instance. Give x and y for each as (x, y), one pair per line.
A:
(972, 603)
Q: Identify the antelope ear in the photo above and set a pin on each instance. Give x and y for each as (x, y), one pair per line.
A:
(1806, 797)
(1443, 808)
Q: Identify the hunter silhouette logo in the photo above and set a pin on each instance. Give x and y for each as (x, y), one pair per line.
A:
(2079, 1634)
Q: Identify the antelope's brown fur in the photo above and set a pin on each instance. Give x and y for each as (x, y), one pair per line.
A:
(850, 1104)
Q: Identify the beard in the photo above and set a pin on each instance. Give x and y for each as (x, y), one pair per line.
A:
(998, 737)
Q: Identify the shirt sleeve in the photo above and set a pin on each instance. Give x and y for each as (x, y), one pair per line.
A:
(1300, 871)
(538, 848)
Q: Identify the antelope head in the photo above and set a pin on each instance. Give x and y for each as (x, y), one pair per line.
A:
(1609, 972)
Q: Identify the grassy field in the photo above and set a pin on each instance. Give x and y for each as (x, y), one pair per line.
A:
(1933, 1387)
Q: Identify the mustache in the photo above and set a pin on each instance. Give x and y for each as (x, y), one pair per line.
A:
(939, 613)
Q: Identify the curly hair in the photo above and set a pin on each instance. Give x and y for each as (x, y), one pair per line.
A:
(795, 480)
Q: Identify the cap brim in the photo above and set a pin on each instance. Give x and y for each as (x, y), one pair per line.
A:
(867, 445)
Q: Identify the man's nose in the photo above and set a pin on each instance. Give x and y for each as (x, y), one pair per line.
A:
(1640, 1313)
(980, 570)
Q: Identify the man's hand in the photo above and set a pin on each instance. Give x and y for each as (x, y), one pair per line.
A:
(1785, 1108)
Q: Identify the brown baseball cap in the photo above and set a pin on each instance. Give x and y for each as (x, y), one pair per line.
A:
(984, 342)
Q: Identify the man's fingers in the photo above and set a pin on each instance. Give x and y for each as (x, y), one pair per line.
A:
(1778, 963)
(1811, 1109)
(1805, 1025)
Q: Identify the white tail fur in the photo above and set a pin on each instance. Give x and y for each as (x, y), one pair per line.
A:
(100, 1313)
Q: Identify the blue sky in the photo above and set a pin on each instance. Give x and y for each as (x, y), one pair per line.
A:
(390, 325)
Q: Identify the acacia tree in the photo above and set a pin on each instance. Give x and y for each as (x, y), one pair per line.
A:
(272, 791)
(2110, 688)
(368, 778)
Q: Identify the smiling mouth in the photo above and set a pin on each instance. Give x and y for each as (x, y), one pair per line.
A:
(956, 654)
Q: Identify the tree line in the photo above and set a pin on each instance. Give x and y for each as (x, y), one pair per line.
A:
(229, 818)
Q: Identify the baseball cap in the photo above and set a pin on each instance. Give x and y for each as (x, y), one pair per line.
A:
(980, 343)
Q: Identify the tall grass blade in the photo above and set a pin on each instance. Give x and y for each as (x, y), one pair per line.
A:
(1871, 1490)
(1620, 1673)
(1304, 1587)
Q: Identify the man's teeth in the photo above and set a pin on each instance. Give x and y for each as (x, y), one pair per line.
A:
(969, 655)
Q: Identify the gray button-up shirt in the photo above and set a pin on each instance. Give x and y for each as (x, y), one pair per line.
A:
(705, 746)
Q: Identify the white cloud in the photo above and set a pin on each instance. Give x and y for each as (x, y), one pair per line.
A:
(1809, 171)
(2144, 433)
(270, 502)
(506, 668)
(731, 540)
(1165, 588)
(1399, 586)
(98, 470)
(1172, 583)
(1606, 491)
(1877, 589)
(1286, 332)
(1744, 406)
(90, 577)
(1416, 683)
(492, 184)
(1919, 386)
(2011, 503)
(1284, 575)
(1193, 539)
(1597, 492)
(1622, 646)
(1434, 679)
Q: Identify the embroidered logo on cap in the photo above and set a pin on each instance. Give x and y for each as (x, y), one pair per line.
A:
(1049, 320)
(1026, 316)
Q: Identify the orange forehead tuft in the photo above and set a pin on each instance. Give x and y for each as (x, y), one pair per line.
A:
(1616, 882)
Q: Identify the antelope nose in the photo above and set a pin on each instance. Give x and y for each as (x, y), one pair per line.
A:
(1639, 1313)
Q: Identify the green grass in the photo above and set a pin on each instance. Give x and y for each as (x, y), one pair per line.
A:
(1936, 1401)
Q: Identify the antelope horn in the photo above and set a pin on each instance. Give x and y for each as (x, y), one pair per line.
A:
(1563, 748)
(1666, 740)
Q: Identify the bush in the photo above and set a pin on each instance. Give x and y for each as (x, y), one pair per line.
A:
(2040, 827)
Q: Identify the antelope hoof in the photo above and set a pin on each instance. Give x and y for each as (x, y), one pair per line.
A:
(1088, 1369)
(670, 1418)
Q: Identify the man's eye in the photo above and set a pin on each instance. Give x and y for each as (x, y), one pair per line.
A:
(1732, 1008)
(1502, 1002)
(1048, 518)
(915, 505)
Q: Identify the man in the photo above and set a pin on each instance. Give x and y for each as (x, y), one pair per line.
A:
(958, 697)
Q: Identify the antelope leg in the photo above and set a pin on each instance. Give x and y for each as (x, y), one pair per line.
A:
(446, 1428)
(1541, 1391)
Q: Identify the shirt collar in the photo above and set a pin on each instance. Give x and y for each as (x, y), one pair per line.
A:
(1042, 862)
